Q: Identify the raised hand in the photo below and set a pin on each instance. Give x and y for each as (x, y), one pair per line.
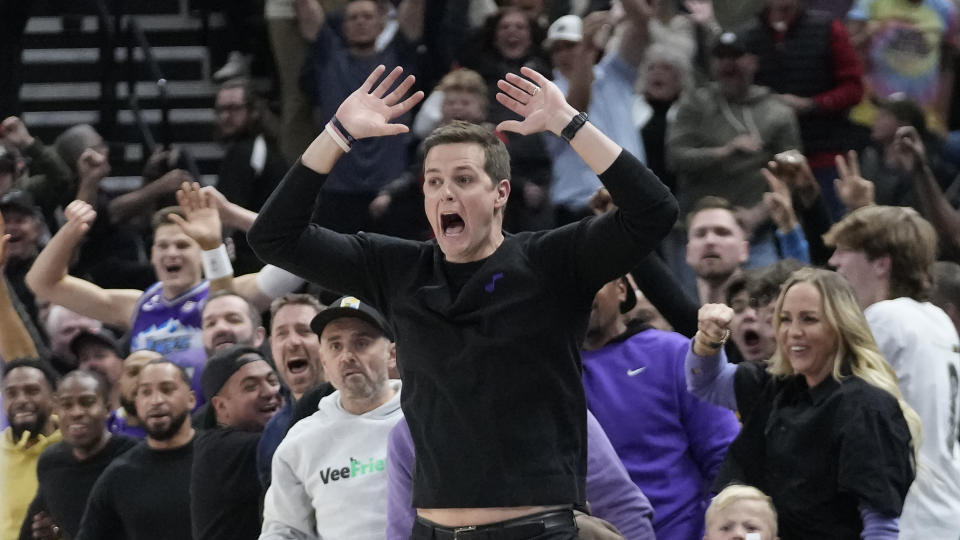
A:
(368, 110)
(92, 166)
(80, 216)
(908, 150)
(701, 11)
(203, 220)
(779, 203)
(792, 167)
(853, 190)
(15, 132)
(713, 328)
(535, 98)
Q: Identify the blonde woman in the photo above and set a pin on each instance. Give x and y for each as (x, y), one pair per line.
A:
(826, 433)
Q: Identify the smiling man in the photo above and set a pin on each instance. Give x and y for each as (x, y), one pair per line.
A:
(27, 403)
(68, 470)
(244, 393)
(144, 494)
(228, 319)
(312, 483)
(488, 324)
(165, 318)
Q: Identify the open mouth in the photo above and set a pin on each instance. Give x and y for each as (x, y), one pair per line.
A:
(297, 366)
(751, 338)
(451, 224)
(173, 268)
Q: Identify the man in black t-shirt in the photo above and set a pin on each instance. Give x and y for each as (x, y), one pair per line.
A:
(243, 391)
(67, 470)
(144, 494)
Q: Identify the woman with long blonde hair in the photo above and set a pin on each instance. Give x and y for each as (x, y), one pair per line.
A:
(825, 430)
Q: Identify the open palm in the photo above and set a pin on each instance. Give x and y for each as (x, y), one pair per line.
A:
(367, 112)
(202, 221)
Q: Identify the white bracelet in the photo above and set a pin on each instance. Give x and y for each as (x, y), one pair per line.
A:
(216, 263)
(337, 137)
(275, 282)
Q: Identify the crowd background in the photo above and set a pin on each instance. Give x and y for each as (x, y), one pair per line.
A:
(769, 120)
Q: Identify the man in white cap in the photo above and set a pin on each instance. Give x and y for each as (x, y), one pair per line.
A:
(604, 90)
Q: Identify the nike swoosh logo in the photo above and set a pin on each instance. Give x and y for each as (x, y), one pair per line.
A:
(635, 372)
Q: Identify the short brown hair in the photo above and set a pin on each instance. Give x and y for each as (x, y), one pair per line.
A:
(711, 202)
(896, 232)
(162, 217)
(465, 80)
(496, 162)
(292, 299)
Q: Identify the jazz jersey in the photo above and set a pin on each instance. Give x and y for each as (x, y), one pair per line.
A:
(173, 328)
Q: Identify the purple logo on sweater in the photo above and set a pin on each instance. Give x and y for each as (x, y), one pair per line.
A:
(493, 282)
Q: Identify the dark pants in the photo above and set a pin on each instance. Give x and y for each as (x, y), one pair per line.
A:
(525, 528)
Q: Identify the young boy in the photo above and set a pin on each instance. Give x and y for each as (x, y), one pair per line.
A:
(741, 513)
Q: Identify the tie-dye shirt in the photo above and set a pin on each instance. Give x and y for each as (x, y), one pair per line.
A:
(905, 47)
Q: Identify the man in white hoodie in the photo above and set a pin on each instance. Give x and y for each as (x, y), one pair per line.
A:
(329, 473)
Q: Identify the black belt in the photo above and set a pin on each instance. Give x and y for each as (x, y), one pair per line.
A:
(512, 529)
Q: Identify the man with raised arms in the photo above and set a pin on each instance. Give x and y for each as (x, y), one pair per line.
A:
(488, 323)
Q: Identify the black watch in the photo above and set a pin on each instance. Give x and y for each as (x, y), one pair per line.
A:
(574, 126)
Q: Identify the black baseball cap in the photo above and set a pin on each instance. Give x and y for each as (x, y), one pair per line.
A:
(351, 306)
(223, 364)
(17, 199)
(101, 336)
(729, 45)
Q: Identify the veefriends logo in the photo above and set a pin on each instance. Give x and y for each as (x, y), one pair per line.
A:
(357, 468)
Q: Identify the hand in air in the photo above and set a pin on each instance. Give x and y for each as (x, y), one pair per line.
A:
(203, 219)
(779, 203)
(368, 110)
(853, 190)
(80, 216)
(535, 98)
(713, 328)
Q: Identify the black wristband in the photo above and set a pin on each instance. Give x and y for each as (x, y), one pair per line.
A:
(574, 126)
(343, 131)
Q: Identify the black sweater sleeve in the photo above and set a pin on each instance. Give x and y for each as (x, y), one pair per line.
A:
(282, 235)
(608, 246)
(653, 277)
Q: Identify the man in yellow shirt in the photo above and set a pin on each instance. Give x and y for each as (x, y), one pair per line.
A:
(27, 403)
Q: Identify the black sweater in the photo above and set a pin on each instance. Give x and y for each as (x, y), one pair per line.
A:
(225, 493)
(65, 483)
(143, 495)
(492, 389)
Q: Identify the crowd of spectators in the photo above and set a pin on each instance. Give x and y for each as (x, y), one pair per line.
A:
(785, 361)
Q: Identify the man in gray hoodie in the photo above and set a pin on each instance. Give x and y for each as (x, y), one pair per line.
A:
(724, 133)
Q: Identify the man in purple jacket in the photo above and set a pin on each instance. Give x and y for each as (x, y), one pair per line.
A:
(610, 493)
(671, 443)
